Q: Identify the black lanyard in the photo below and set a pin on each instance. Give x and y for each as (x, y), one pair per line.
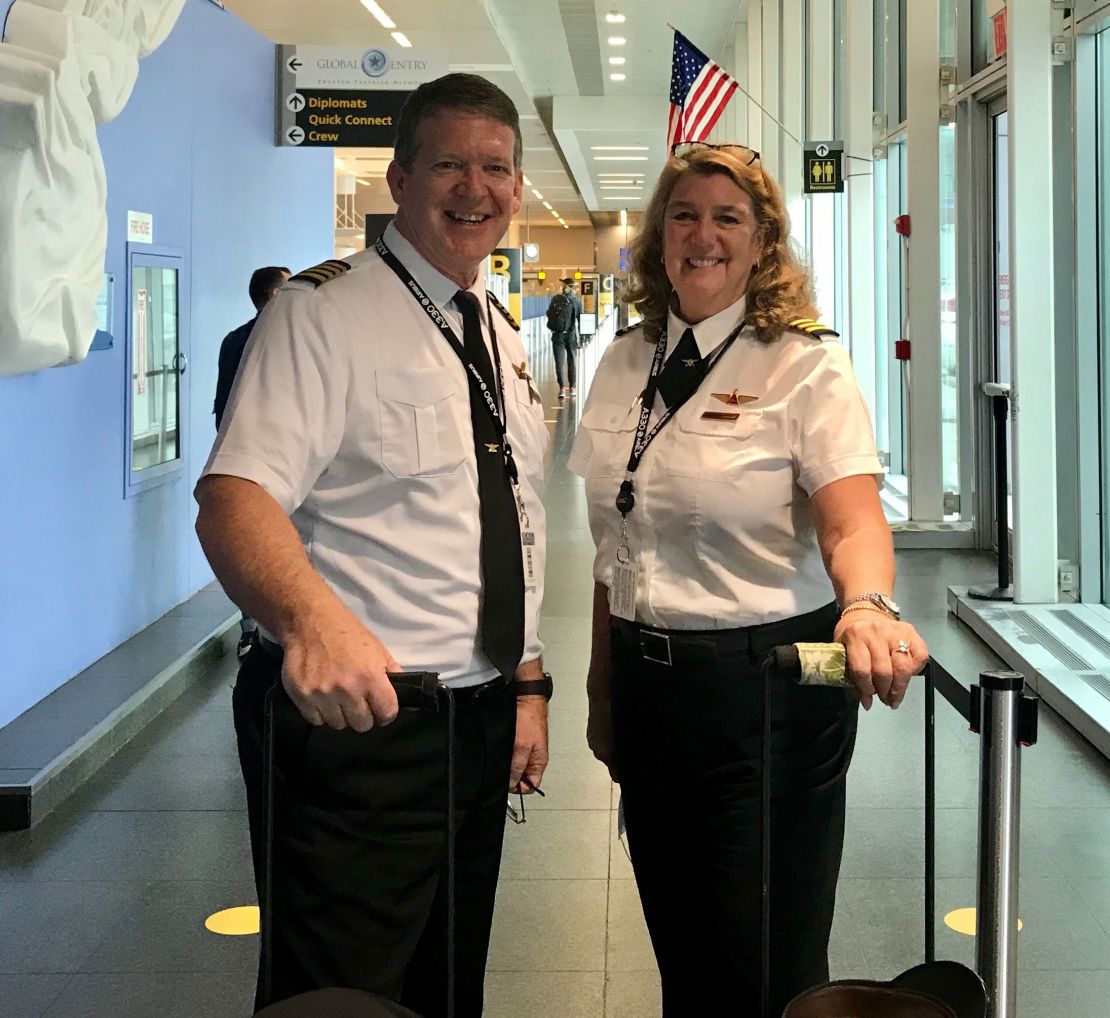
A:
(626, 498)
(477, 382)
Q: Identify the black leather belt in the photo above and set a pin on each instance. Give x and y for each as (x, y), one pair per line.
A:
(466, 694)
(685, 647)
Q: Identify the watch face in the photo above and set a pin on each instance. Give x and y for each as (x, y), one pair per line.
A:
(889, 604)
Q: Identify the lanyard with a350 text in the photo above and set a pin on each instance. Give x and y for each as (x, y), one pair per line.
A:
(474, 376)
(626, 496)
(478, 386)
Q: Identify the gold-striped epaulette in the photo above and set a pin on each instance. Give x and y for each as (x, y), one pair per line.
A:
(325, 272)
(814, 329)
(505, 312)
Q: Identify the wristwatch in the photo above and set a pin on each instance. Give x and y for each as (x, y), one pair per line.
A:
(881, 601)
(535, 687)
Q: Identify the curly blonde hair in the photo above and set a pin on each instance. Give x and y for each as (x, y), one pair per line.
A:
(779, 289)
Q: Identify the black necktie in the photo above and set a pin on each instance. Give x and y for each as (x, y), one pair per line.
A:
(501, 614)
(682, 372)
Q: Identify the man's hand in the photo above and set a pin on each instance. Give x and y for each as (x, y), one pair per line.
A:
(336, 672)
(530, 749)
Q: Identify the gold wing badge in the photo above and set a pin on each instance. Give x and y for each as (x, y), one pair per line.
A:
(729, 399)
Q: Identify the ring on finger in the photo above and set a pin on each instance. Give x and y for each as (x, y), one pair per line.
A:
(902, 648)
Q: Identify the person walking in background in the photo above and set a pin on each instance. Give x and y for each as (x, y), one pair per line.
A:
(564, 313)
(265, 282)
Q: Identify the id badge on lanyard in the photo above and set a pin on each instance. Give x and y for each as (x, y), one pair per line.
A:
(495, 407)
(626, 572)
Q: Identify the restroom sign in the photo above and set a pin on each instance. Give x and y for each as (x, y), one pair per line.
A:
(823, 167)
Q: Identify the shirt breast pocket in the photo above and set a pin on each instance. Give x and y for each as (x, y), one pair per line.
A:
(611, 428)
(714, 448)
(421, 421)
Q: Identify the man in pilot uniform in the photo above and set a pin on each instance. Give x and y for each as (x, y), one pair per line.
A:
(374, 500)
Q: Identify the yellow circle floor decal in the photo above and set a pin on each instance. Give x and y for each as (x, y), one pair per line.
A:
(962, 920)
(234, 922)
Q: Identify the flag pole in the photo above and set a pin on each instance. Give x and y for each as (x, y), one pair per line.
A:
(753, 99)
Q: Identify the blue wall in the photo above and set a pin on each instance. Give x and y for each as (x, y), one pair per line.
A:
(82, 568)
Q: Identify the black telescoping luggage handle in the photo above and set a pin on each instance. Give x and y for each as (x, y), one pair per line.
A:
(823, 664)
(416, 691)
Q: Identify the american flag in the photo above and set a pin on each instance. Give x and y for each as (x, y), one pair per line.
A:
(700, 91)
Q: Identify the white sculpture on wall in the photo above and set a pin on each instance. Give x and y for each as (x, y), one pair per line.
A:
(65, 66)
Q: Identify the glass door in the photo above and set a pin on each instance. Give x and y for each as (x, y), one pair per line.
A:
(999, 290)
(157, 362)
(1102, 135)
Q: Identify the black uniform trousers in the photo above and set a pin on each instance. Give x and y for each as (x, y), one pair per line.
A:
(687, 750)
(358, 868)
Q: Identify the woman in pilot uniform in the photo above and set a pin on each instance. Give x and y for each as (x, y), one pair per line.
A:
(731, 476)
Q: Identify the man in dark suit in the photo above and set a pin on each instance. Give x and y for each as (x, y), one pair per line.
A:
(264, 284)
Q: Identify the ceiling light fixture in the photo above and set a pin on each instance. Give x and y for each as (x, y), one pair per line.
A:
(547, 205)
(527, 182)
(539, 197)
(617, 40)
(616, 61)
(383, 19)
(614, 18)
(619, 148)
(621, 197)
(555, 214)
(624, 217)
(620, 159)
(401, 39)
(616, 77)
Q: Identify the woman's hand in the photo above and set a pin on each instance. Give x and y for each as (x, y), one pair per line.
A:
(876, 665)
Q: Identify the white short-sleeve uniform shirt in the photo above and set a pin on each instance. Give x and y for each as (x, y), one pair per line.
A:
(353, 412)
(722, 532)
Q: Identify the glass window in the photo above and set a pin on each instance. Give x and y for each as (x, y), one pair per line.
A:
(890, 326)
(156, 330)
(1001, 249)
(1103, 142)
(949, 387)
(982, 36)
(154, 367)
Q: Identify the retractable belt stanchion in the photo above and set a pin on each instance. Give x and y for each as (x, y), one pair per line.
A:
(1006, 719)
(1000, 403)
(1004, 715)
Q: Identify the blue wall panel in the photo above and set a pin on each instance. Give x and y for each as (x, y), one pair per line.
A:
(82, 568)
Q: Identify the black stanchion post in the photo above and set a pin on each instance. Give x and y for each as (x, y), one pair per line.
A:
(1000, 403)
(930, 814)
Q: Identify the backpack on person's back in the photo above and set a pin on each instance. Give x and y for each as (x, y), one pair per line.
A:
(560, 313)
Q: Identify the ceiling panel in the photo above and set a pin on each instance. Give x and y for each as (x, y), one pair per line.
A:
(548, 55)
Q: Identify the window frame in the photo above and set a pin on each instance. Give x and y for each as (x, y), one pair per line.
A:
(136, 482)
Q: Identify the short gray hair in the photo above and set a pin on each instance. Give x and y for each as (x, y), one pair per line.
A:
(467, 93)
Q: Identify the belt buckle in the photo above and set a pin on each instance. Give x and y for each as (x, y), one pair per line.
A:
(663, 639)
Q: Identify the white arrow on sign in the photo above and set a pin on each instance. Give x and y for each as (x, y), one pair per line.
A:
(294, 101)
(822, 150)
(295, 135)
(294, 63)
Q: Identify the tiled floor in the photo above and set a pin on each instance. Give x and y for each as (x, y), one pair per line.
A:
(102, 905)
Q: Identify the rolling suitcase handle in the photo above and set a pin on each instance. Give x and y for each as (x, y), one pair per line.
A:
(415, 691)
(807, 664)
(825, 664)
